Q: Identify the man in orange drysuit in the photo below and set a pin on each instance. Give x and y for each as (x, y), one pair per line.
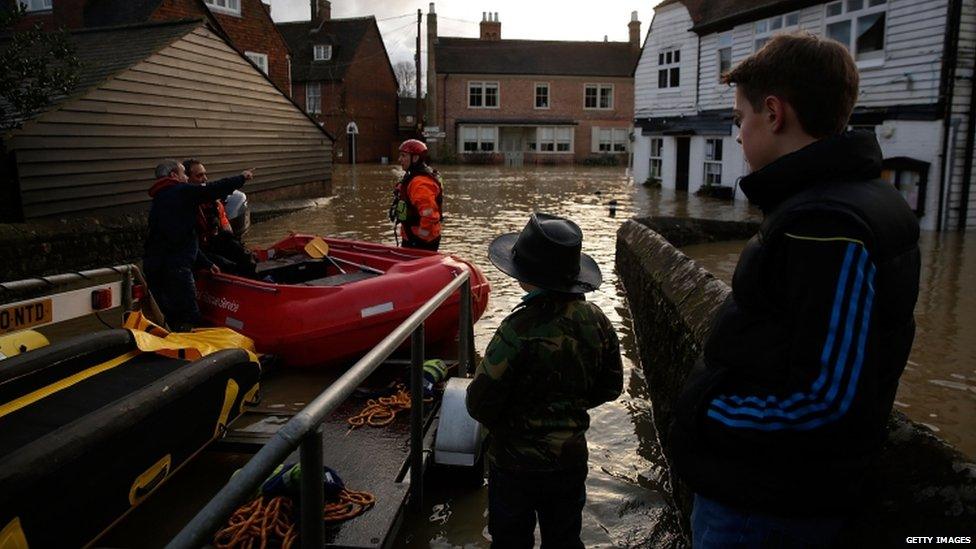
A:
(418, 199)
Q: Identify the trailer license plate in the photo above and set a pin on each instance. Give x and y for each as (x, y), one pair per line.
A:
(24, 315)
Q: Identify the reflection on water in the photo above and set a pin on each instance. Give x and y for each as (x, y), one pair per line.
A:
(624, 501)
(938, 388)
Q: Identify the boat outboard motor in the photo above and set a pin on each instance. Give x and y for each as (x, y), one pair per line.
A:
(238, 213)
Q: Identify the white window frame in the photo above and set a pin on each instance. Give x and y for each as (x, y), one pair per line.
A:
(259, 59)
(764, 28)
(603, 89)
(611, 140)
(656, 159)
(480, 139)
(669, 60)
(535, 100)
(316, 107)
(723, 43)
(37, 5)
(484, 86)
(852, 16)
(550, 144)
(231, 7)
(322, 52)
(713, 162)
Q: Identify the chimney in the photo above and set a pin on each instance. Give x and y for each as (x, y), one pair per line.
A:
(491, 29)
(634, 27)
(321, 11)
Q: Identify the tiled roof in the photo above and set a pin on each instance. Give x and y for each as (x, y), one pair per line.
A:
(109, 51)
(474, 56)
(344, 35)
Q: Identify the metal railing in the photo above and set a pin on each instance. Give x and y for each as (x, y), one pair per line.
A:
(305, 429)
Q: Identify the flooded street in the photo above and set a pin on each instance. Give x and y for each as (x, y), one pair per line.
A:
(938, 388)
(624, 497)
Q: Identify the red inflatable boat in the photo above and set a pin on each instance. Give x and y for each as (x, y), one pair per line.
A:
(314, 311)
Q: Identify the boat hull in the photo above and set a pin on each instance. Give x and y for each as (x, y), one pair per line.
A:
(320, 325)
(104, 434)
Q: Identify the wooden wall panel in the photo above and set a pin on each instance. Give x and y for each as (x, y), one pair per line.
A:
(195, 98)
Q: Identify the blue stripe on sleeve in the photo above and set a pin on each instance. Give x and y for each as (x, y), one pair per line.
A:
(769, 413)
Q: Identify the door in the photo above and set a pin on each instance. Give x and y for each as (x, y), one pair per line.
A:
(681, 163)
(511, 144)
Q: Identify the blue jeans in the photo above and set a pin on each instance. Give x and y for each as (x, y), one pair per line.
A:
(515, 498)
(718, 526)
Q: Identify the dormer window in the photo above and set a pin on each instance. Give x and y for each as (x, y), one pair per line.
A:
(232, 7)
(37, 5)
(323, 52)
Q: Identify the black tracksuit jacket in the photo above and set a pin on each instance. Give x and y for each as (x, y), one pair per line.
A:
(787, 409)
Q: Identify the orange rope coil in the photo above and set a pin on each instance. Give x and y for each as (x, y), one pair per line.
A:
(383, 410)
(257, 524)
(351, 504)
(262, 525)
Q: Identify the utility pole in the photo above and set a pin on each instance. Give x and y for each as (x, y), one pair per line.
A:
(420, 100)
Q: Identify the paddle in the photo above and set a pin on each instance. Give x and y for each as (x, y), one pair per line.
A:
(318, 249)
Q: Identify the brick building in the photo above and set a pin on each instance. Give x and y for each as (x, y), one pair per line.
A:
(247, 24)
(343, 76)
(532, 101)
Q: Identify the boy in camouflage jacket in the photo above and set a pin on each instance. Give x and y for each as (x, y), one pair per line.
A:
(552, 359)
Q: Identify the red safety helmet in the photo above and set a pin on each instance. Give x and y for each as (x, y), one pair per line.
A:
(413, 146)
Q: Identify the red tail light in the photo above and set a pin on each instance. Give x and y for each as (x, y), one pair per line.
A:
(101, 299)
(138, 292)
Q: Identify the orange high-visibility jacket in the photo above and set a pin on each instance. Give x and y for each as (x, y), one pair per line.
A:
(423, 194)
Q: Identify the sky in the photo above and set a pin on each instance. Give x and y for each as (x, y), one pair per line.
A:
(525, 19)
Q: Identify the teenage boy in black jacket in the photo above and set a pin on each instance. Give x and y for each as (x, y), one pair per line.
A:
(779, 423)
(172, 248)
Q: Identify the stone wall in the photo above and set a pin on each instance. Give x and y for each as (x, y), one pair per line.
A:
(922, 485)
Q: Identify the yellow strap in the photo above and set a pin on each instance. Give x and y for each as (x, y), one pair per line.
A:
(826, 239)
(12, 536)
(65, 383)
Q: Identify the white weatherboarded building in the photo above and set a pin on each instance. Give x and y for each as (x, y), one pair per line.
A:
(915, 59)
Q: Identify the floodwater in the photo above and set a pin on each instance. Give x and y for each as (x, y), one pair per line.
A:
(938, 388)
(624, 502)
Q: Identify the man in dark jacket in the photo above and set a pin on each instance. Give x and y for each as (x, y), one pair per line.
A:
(217, 239)
(552, 359)
(779, 423)
(172, 249)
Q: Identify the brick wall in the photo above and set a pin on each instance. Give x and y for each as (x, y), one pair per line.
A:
(169, 10)
(367, 96)
(68, 14)
(256, 32)
(252, 31)
(517, 102)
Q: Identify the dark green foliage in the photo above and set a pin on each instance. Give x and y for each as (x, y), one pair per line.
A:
(35, 66)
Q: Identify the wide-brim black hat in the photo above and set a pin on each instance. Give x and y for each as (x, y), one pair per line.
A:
(548, 254)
